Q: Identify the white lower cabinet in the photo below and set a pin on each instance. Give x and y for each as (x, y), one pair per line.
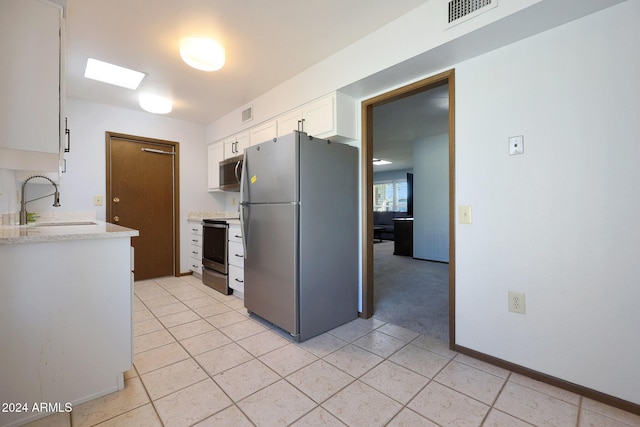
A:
(236, 260)
(195, 247)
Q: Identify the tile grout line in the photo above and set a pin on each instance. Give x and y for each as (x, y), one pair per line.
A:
(351, 342)
(192, 357)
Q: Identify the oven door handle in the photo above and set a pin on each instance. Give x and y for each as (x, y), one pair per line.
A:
(204, 224)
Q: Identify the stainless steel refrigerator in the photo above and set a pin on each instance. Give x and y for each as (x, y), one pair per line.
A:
(299, 213)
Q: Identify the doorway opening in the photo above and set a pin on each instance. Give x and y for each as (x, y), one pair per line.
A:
(368, 238)
(142, 193)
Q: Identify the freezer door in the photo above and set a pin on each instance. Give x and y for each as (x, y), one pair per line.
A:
(270, 265)
(270, 171)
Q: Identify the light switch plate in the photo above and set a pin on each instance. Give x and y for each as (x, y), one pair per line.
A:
(464, 214)
(516, 145)
(97, 200)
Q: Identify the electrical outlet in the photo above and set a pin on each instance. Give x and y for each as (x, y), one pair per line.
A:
(97, 200)
(516, 302)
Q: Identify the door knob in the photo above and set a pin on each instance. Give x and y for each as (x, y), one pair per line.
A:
(116, 218)
(116, 199)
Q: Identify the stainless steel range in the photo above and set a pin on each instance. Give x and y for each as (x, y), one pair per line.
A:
(215, 260)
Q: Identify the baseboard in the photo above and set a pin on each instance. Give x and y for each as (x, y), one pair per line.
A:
(557, 382)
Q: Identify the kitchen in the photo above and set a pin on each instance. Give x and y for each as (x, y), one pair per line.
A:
(89, 120)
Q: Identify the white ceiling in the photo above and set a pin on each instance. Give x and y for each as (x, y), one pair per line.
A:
(266, 42)
(398, 124)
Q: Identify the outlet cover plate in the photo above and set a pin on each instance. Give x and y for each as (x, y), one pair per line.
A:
(517, 302)
(516, 145)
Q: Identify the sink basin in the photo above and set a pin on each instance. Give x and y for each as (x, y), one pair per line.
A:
(59, 224)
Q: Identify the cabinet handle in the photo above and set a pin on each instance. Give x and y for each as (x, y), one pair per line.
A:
(239, 255)
(239, 281)
(116, 218)
(237, 237)
(194, 240)
(67, 133)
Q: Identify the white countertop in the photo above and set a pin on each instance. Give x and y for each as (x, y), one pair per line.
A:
(16, 234)
(200, 215)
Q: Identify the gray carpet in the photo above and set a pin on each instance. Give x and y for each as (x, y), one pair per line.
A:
(413, 294)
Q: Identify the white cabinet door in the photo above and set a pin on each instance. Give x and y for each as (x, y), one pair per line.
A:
(330, 117)
(30, 32)
(319, 117)
(289, 122)
(263, 132)
(235, 145)
(215, 154)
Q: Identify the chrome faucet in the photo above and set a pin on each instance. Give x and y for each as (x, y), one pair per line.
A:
(24, 201)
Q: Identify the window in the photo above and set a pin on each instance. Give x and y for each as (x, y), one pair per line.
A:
(390, 196)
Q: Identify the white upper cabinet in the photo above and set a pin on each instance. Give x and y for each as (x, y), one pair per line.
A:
(263, 132)
(235, 145)
(330, 117)
(30, 84)
(288, 122)
(215, 154)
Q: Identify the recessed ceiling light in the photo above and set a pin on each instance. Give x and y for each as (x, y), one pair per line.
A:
(378, 162)
(202, 54)
(113, 74)
(155, 104)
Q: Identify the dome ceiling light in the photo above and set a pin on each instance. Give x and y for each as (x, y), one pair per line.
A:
(202, 54)
(155, 104)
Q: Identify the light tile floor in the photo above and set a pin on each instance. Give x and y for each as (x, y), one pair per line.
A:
(201, 360)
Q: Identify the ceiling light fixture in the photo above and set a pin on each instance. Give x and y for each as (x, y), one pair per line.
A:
(155, 104)
(113, 74)
(202, 54)
(378, 162)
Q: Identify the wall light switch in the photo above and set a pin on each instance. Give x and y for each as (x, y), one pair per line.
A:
(97, 200)
(464, 214)
(516, 145)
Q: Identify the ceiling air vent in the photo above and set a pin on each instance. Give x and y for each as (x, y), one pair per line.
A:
(247, 115)
(462, 10)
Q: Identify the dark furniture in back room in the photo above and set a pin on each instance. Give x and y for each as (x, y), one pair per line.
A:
(385, 220)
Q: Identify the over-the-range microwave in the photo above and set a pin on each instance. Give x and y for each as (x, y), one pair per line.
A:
(230, 173)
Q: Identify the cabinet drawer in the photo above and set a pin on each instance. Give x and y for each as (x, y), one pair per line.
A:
(236, 278)
(236, 254)
(195, 265)
(235, 234)
(195, 240)
(195, 252)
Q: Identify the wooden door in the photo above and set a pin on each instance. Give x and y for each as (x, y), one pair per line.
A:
(141, 194)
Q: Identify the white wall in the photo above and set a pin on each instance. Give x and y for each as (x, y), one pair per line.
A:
(86, 174)
(559, 222)
(431, 198)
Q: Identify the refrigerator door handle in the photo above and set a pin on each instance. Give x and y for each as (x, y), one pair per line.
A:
(242, 207)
